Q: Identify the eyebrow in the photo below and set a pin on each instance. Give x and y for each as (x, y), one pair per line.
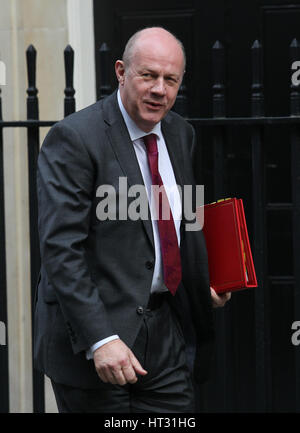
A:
(147, 69)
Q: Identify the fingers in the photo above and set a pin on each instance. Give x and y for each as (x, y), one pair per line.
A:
(227, 296)
(106, 376)
(137, 366)
(116, 364)
(119, 375)
(116, 376)
(219, 300)
(129, 375)
(224, 298)
(127, 372)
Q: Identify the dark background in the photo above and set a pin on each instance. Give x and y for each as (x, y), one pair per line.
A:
(256, 367)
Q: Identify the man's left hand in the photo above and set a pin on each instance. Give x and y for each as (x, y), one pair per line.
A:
(219, 300)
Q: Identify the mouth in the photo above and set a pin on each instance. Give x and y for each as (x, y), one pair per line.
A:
(154, 105)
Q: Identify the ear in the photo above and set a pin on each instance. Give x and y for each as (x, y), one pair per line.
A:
(120, 71)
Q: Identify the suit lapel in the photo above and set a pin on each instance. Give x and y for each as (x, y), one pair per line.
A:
(174, 149)
(121, 143)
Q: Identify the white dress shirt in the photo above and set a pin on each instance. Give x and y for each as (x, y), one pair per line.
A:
(169, 181)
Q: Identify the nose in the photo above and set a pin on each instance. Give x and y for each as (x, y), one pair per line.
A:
(159, 87)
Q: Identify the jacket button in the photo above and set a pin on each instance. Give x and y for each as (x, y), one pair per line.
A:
(140, 310)
(149, 265)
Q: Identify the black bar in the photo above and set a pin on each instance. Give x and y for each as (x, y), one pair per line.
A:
(197, 121)
(105, 62)
(258, 257)
(181, 103)
(69, 106)
(32, 105)
(262, 337)
(281, 279)
(27, 123)
(295, 174)
(257, 96)
(218, 101)
(218, 108)
(245, 121)
(294, 93)
(33, 151)
(218, 70)
(4, 387)
(279, 206)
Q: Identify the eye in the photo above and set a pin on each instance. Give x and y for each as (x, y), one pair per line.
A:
(171, 80)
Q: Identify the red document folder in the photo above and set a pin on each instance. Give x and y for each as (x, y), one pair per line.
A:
(229, 254)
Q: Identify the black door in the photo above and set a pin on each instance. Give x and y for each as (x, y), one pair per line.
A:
(256, 367)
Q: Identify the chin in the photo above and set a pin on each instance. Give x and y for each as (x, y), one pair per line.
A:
(153, 119)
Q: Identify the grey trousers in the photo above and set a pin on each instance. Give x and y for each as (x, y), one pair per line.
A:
(167, 388)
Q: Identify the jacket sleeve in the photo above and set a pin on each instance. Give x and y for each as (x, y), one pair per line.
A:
(65, 185)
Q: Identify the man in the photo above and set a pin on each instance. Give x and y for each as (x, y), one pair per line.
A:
(108, 330)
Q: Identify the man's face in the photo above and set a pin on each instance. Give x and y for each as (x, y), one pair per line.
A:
(149, 86)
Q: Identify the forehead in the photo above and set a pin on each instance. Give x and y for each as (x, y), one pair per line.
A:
(159, 54)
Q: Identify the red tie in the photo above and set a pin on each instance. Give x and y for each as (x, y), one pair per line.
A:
(167, 233)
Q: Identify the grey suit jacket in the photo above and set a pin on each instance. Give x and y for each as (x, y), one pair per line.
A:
(96, 274)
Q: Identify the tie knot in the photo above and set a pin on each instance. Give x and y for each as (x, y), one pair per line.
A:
(150, 142)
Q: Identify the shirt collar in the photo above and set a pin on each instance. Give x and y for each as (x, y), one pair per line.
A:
(134, 131)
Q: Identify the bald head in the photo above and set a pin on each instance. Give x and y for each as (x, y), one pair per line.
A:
(154, 36)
